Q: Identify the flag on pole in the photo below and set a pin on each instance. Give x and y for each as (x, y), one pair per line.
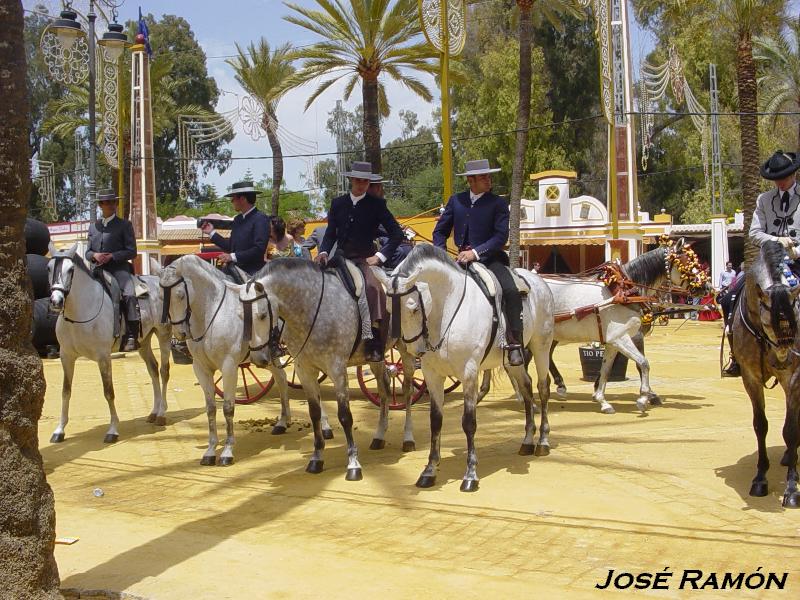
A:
(146, 33)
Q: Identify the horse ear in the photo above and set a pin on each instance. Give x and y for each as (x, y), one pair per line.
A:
(259, 287)
(795, 292)
(73, 250)
(679, 245)
(381, 276)
(51, 248)
(155, 267)
(763, 295)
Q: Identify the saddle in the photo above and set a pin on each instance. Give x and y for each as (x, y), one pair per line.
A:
(111, 287)
(350, 275)
(488, 283)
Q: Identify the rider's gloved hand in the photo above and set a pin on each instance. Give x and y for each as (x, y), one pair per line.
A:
(786, 242)
(321, 259)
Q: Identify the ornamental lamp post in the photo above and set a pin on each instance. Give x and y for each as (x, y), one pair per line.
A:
(71, 56)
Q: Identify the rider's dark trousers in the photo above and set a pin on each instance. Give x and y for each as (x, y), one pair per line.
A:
(124, 277)
(512, 302)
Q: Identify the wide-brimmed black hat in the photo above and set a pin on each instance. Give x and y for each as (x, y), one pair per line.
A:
(242, 188)
(104, 195)
(780, 165)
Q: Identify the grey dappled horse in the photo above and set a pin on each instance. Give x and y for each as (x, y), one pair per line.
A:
(85, 328)
(203, 308)
(765, 331)
(321, 333)
(446, 319)
(617, 325)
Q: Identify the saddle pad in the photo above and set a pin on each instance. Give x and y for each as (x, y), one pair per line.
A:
(486, 277)
(140, 287)
(357, 276)
(522, 285)
(111, 287)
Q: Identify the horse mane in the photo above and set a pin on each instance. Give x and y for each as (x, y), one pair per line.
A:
(772, 254)
(196, 260)
(424, 252)
(646, 268)
(780, 300)
(286, 264)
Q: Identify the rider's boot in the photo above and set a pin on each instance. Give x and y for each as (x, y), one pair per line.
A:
(514, 348)
(131, 340)
(373, 349)
(732, 369)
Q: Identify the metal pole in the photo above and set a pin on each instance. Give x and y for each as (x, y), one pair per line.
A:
(92, 109)
(447, 158)
(612, 142)
(717, 206)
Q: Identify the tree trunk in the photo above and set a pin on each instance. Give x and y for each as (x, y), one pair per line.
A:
(27, 516)
(277, 160)
(748, 124)
(523, 122)
(372, 125)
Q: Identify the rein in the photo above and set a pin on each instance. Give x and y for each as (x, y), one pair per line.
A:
(188, 314)
(56, 285)
(762, 338)
(423, 333)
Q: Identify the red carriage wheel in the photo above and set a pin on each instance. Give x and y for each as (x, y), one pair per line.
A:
(450, 383)
(250, 386)
(394, 368)
(287, 364)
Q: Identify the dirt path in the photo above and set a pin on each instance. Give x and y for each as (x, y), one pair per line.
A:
(627, 492)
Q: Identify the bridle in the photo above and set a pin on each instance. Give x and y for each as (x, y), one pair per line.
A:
(275, 332)
(423, 332)
(57, 285)
(165, 318)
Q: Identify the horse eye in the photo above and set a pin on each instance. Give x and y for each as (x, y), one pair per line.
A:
(261, 316)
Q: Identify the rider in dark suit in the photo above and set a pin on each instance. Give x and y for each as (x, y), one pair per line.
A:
(250, 233)
(112, 245)
(353, 221)
(478, 220)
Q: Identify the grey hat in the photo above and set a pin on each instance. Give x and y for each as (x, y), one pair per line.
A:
(477, 167)
(242, 188)
(362, 170)
(104, 195)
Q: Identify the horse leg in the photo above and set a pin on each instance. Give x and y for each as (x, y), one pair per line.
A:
(308, 378)
(346, 420)
(791, 433)
(542, 358)
(523, 388)
(230, 374)
(754, 389)
(206, 381)
(561, 388)
(68, 366)
(638, 341)
(327, 432)
(379, 437)
(285, 419)
(625, 345)
(164, 349)
(435, 383)
(149, 358)
(409, 445)
(469, 423)
(599, 394)
(486, 385)
(112, 434)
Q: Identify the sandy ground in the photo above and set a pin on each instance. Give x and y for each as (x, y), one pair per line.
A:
(627, 491)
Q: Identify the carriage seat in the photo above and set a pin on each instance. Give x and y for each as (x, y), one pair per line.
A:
(484, 276)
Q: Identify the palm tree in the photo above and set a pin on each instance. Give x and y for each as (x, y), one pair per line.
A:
(550, 10)
(362, 41)
(28, 568)
(264, 73)
(780, 82)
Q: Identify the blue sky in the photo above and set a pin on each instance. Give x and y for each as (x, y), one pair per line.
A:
(218, 25)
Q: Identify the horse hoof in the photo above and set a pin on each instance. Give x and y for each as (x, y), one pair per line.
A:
(641, 405)
(561, 391)
(542, 450)
(607, 409)
(208, 461)
(314, 466)
(409, 446)
(426, 481)
(57, 438)
(655, 400)
(526, 450)
(354, 474)
(377, 444)
(469, 485)
(327, 434)
(225, 461)
(110, 438)
(151, 418)
(791, 500)
(161, 421)
(759, 488)
(278, 430)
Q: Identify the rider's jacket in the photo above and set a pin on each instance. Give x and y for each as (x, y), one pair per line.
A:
(116, 236)
(354, 227)
(482, 226)
(774, 218)
(248, 241)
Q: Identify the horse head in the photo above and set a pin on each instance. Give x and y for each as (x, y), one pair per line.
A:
(259, 321)
(61, 269)
(777, 310)
(683, 268)
(409, 302)
(175, 301)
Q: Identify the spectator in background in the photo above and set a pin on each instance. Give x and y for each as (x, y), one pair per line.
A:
(281, 244)
(727, 276)
(535, 267)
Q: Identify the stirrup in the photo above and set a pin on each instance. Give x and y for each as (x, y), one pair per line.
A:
(515, 355)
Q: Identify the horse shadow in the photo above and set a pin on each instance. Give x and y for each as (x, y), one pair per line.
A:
(739, 476)
(78, 444)
(581, 402)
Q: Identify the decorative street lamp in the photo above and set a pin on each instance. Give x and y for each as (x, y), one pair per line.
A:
(71, 56)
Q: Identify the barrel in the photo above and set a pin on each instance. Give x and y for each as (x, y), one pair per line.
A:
(37, 237)
(43, 328)
(592, 360)
(37, 271)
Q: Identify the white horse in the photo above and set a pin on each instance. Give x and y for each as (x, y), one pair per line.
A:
(446, 319)
(203, 309)
(585, 310)
(85, 327)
